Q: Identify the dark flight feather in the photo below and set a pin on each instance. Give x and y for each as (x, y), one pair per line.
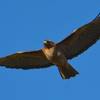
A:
(25, 60)
(81, 39)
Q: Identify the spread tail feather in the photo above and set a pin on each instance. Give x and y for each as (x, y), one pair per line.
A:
(67, 71)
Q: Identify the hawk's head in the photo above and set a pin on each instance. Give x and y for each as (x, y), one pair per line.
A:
(48, 43)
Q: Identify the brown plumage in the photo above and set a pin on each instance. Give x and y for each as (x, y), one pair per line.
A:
(57, 54)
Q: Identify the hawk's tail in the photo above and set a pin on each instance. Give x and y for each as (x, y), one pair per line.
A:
(67, 71)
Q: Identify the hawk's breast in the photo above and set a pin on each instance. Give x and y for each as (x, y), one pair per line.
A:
(49, 53)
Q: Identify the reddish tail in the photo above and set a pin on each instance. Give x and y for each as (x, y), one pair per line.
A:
(67, 71)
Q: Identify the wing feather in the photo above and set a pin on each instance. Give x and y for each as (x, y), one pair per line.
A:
(25, 60)
(81, 39)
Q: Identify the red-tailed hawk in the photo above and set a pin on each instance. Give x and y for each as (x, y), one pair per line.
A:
(57, 54)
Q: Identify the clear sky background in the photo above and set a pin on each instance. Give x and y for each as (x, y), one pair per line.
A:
(24, 24)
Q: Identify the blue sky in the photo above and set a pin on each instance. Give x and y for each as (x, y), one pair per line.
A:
(24, 24)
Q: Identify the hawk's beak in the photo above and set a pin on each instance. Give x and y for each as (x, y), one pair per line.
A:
(45, 42)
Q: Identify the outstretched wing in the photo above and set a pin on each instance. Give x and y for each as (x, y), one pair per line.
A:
(81, 39)
(25, 60)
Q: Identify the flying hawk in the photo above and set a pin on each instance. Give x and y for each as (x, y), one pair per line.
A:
(57, 54)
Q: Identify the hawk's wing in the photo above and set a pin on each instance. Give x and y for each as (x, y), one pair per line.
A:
(25, 60)
(81, 39)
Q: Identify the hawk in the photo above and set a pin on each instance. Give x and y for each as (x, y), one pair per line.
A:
(57, 54)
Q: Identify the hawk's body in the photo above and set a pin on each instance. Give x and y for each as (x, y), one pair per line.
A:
(57, 54)
(56, 57)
